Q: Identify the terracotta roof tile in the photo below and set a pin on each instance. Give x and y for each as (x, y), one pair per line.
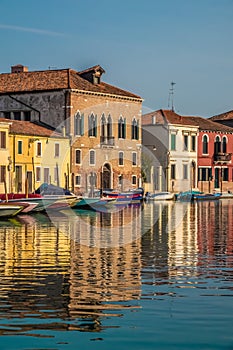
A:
(29, 128)
(223, 116)
(168, 116)
(55, 80)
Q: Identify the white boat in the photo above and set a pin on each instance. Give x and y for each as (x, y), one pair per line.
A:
(8, 210)
(159, 196)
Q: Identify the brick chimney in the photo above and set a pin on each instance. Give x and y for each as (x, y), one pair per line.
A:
(19, 68)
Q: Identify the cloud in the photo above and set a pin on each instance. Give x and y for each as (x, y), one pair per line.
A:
(30, 30)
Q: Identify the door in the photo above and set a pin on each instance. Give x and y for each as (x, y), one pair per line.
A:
(106, 177)
(216, 178)
(18, 179)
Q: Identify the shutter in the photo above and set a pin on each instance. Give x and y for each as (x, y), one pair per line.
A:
(82, 124)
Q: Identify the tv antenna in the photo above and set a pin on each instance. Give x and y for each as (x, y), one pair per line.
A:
(171, 96)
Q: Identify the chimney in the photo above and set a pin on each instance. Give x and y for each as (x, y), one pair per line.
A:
(19, 68)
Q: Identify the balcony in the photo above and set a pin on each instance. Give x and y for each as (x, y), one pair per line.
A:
(222, 157)
(107, 141)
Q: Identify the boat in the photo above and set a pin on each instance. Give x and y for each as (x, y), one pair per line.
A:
(226, 195)
(186, 196)
(196, 196)
(159, 196)
(9, 210)
(125, 197)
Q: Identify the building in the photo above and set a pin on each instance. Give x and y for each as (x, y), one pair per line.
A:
(170, 149)
(32, 155)
(102, 121)
(223, 118)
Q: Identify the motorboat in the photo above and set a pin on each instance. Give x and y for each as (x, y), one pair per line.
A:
(159, 196)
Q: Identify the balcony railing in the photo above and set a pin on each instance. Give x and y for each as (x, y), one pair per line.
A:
(222, 157)
(107, 141)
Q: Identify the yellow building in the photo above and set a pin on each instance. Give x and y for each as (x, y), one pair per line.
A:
(4, 154)
(35, 155)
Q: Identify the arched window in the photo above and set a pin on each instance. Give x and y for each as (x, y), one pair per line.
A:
(121, 128)
(79, 124)
(103, 126)
(92, 125)
(205, 144)
(135, 130)
(224, 144)
(217, 145)
(109, 126)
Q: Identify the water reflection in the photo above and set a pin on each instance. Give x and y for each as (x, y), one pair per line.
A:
(68, 271)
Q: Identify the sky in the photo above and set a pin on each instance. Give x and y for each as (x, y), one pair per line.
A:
(143, 46)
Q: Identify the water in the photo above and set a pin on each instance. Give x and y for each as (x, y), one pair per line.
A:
(158, 276)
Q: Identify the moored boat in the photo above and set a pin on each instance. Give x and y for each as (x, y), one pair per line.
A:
(125, 197)
(159, 196)
(9, 210)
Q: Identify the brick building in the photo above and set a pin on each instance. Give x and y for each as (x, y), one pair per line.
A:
(102, 121)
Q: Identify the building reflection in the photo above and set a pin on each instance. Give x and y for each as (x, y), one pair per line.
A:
(55, 265)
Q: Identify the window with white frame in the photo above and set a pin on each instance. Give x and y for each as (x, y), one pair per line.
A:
(122, 128)
(173, 171)
(79, 124)
(91, 157)
(193, 143)
(185, 139)
(2, 139)
(92, 125)
(134, 158)
(185, 171)
(77, 180)
(38, 174)
(78, 156)
(46, 175)
(134, 180)
(121, 158)
(57, 150)
(38, 149)
(205, 144)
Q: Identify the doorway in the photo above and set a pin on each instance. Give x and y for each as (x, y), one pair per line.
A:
(216, 178)
(106, 177)
(29, 181)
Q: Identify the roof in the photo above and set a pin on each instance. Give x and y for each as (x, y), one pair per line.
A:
(57, 80)
(167, 116)
(223, 116)
(29, 128)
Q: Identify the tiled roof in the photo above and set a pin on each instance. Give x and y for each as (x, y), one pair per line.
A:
(223, 116)
(167, 116)
(55, 80)
(29, 128)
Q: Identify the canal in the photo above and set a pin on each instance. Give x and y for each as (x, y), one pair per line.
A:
(153, 276)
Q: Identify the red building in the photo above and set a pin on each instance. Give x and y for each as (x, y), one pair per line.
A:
(215, 155)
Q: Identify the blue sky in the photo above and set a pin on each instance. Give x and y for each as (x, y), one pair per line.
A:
(142, 45)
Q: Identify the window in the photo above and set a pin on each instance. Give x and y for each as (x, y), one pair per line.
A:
(78, 180)
(135, 129)
(27, 116)
(185, 142)
(173, 171)
(38, 174)
(2, 139)
(2, 173)
(7, 115)
(79, 124)
(46, 175)
(121, 128)
(121, 158)
(193, 143)
(173, 142)
(20, 147)
(109, 127)
(92, 157)
(103, 125)
(134, 180)
(185, 171)
(134, 158)
(224, 144)
(205, 144)
(225, 174)
(17, 115)
(217, 145)
(78, 156)
(204, 174)
(92, 125)
(39, 149)
(57, 150)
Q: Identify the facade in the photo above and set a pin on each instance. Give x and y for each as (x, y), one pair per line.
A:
(33, 155)
(4, 155)
(172, 142)
(102, 121)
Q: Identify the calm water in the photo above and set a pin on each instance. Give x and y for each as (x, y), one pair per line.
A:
(159, 276)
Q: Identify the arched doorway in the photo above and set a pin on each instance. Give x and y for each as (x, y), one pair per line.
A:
(106, 177)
